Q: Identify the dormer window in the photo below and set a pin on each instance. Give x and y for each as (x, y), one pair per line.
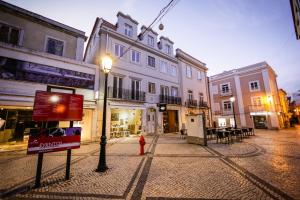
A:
(150, 41)
(168, 49)
(128, 30)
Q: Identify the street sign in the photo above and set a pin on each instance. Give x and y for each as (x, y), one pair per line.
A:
(53, 139)
(56, 106)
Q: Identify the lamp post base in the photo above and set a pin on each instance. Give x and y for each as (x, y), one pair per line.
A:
(102, 169)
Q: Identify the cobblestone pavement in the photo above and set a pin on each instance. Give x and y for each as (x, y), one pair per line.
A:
(264, 166)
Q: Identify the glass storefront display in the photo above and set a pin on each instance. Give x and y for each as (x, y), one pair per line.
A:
(260, 122)
(16, 122)
(125, 122)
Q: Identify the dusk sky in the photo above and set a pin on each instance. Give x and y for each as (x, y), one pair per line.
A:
(224, 34)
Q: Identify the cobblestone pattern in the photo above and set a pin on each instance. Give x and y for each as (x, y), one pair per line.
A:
(21, 171)
(197, 178)
(238, 149)
(260, 167)
(87, 183)
(280, 165)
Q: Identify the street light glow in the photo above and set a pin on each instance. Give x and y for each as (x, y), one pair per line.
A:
(232, 99)
(269, 99)
(106, 63)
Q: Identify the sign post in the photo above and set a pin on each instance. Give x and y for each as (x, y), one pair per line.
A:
(55, 106)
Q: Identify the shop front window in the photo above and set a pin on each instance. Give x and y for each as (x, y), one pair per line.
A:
(15, 124)
(125, 122)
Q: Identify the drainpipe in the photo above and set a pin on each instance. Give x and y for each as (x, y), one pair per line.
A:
(209, 100)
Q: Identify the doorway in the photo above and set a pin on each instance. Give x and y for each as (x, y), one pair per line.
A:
(260, 122)
(170, 121)
(151, 121)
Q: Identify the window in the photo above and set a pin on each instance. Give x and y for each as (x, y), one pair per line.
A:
(201, 98)
(190, 95)
(150, 41)
(128, 30)
(199, 75)
(164, 90)
(173, 70)
(9, 34)
(117, 87)
(136, 90)
(174, 91)
(188, 71)
(254, 86)
(256, 101)
(135, 56)
(168, 49)
(227, 105)
(151, 88)
(225, 88)
(151, 61)
(54, 46)
(163, 66)
(119, 50)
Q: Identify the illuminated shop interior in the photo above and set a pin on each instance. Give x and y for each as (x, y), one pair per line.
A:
(125, 122)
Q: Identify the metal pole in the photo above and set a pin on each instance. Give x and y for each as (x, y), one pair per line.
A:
(39, 170)
(102, 157)
(68, 165)
(235, 126)
(39, 164)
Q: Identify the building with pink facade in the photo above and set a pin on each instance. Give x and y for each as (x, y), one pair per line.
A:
(256, 100)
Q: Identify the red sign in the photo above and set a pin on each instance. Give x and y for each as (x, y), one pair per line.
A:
(55, 106)
(53, 139)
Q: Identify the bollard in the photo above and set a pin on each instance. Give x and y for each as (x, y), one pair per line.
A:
(142, 144)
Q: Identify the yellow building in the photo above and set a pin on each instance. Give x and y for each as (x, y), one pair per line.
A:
(284, 114)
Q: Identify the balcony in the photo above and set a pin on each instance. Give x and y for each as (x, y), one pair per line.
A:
(169, 99)
(191, 103)
(125, 94)
(223, 112)
(226, 93)
(202, 104)
(257, 108)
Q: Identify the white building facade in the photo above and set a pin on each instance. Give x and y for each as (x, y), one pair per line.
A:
(144, 73)
(193, 86)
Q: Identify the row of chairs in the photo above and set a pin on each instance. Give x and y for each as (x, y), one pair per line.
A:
(228, 134)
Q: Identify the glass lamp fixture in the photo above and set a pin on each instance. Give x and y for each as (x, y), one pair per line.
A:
(106, 63)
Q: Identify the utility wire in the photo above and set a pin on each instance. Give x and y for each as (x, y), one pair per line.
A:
(161, 14)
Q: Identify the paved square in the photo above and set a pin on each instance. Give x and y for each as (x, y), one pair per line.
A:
(264, 166)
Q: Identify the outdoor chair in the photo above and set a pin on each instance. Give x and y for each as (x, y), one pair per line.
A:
(222, 135)
(183, 133)
(209, 133)
(245, 132)
(251, 130)
(238, 134)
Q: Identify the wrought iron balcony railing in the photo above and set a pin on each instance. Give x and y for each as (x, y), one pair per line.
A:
(125, 94)
(226, 93)
(169, 99)
(202, 104)
(191, 103)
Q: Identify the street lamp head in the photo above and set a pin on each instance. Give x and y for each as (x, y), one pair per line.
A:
(269, 99)
(106, 63)
(232, 99)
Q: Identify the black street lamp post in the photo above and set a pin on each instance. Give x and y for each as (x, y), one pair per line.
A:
(232, 99)
(102, 167)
